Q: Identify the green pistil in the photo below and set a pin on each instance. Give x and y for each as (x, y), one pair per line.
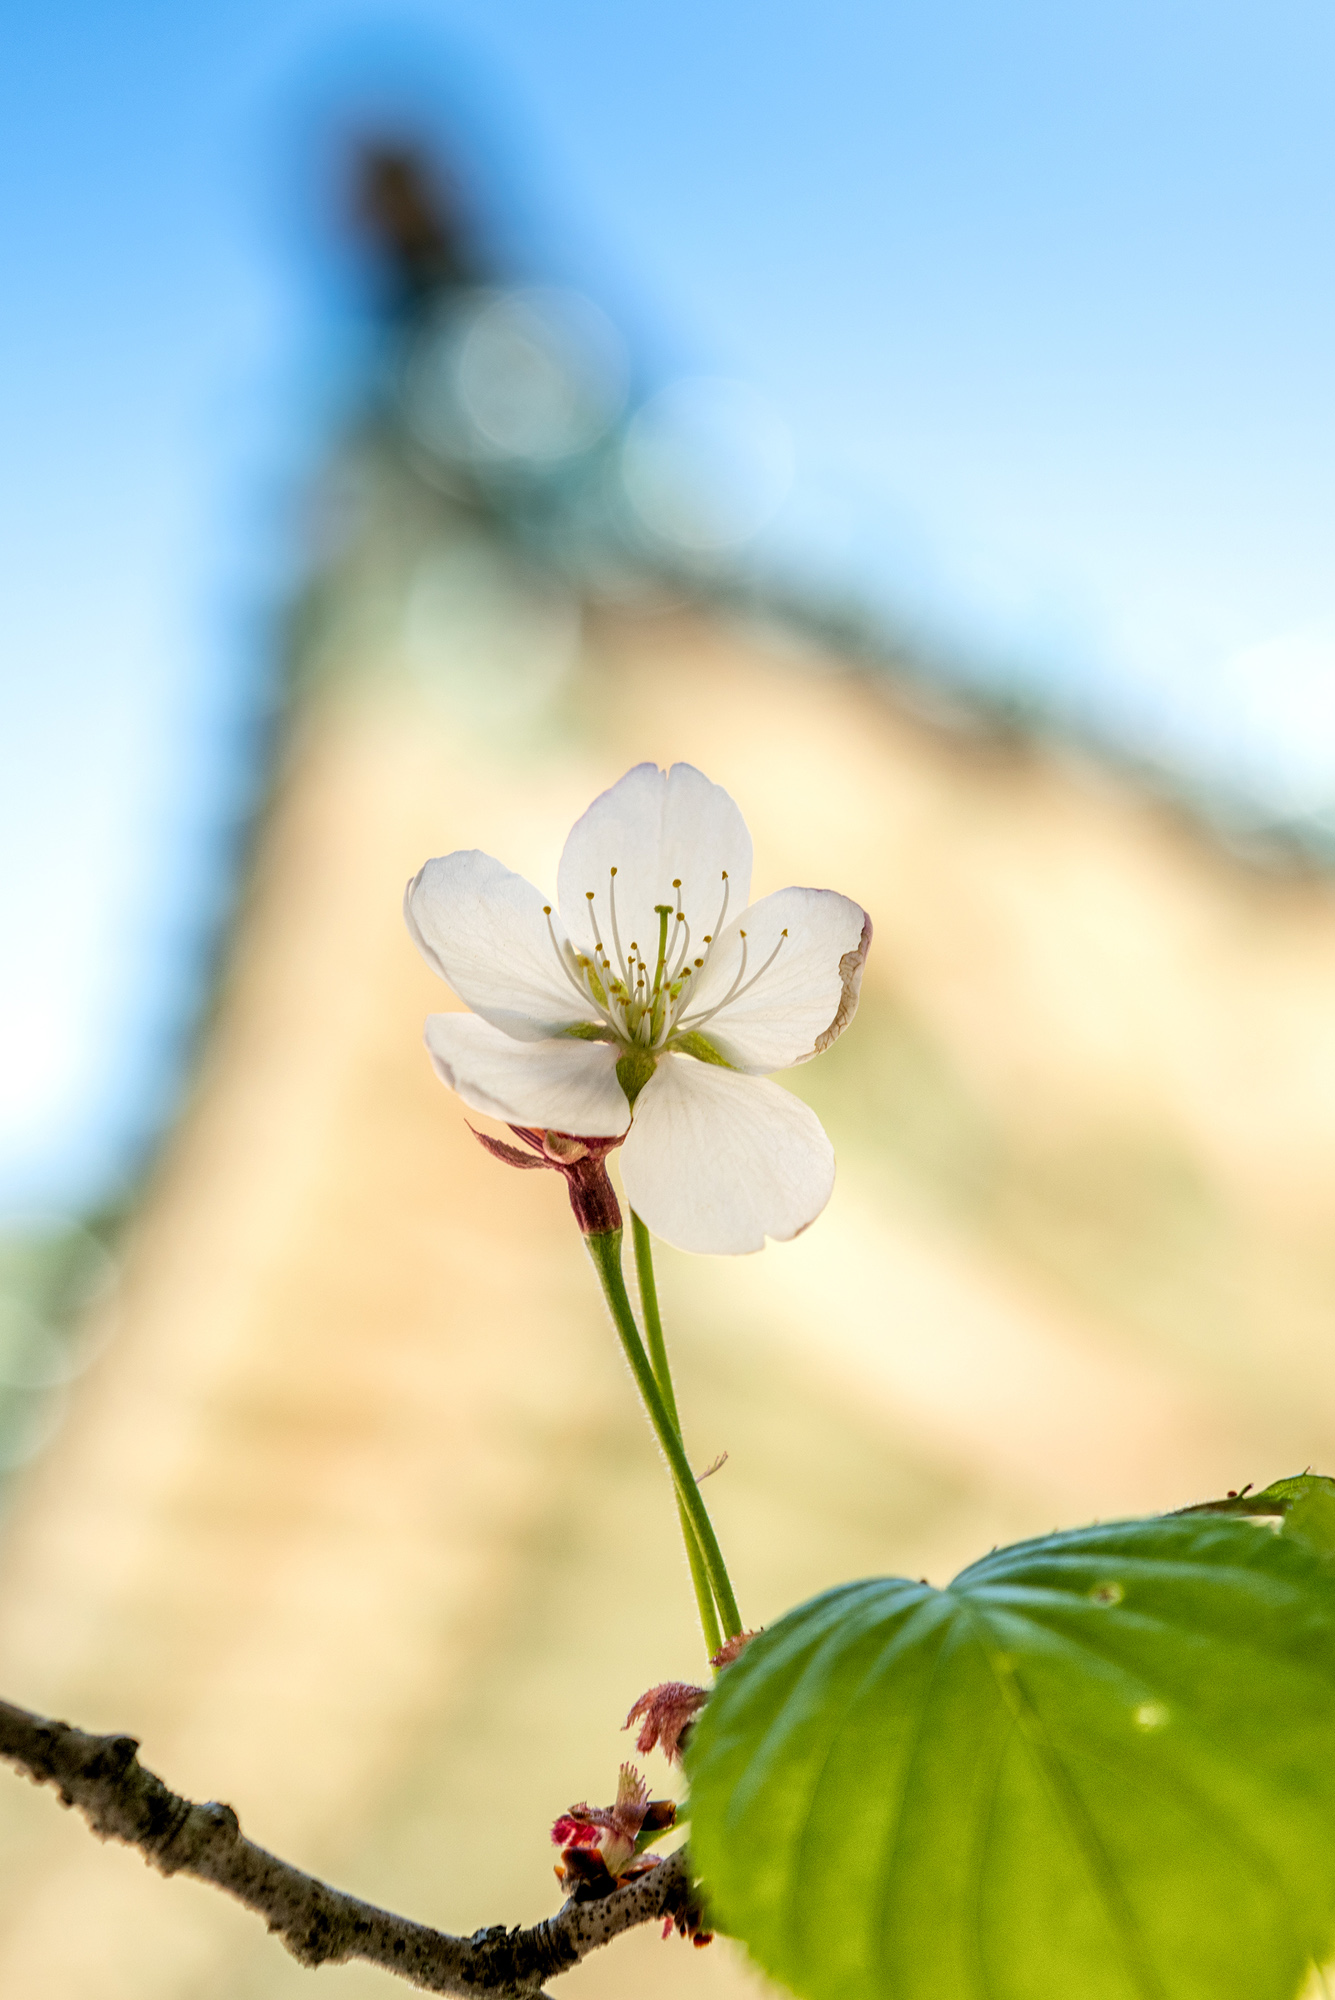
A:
(662, 911)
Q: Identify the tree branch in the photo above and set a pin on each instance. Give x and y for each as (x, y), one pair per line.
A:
(121, 1800)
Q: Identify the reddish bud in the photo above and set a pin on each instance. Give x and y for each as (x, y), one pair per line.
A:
(599, 1844)
(732, 1649)
(667, 1713)
(584, 1875)
(668, 1710)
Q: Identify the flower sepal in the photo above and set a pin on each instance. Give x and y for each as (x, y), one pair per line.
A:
(583, 1162)
(693, 1043)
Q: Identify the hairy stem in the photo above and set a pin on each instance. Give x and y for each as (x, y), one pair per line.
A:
(605, 1250)
(658, 1359)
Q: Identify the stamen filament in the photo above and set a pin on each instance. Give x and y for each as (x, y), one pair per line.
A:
(616, 935)
(644, 1010)
(718, 927)
(736, 990)
(564, 963)
(680, 1003)
(741, 974)
(684, 932)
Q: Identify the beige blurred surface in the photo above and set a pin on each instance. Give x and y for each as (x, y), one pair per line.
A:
(355, 1522)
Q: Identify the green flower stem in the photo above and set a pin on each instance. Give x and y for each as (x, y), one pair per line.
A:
(653, 1327)
(653, 1322)
(704, 1595)
(605, 1250)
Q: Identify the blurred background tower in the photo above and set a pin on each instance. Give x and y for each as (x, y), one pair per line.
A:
(353, 1519)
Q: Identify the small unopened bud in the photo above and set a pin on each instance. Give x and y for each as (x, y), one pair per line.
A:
(602, 1845)
(666, 1713)
(731, 1649)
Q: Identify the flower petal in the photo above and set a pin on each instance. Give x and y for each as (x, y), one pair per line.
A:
(654, 827)
(482, 928)
(716, 1162)
(564, 1086)
(789, 1009)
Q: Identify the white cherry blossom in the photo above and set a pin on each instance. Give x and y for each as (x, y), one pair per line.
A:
(652, 999)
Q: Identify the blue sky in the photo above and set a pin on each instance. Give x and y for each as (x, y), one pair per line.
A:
(1043, 293)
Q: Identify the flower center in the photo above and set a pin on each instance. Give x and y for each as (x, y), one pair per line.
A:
(643, 1001)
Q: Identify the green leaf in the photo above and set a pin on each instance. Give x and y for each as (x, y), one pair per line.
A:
(1303, 1505)
(1311, 1518)
(1272, 1501)
(1099, 1766)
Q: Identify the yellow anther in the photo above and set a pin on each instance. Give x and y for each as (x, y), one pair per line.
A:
(546, 909)
(611, 871)
(589, 894)
(676, 881)
(699, 961)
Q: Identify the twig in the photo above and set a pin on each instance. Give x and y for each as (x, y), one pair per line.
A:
(121, 1800)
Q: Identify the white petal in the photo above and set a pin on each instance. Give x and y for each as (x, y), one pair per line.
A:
(803, 1000)
(654, 827)
(483, 930)
(717, 1162)
(564, 1086)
